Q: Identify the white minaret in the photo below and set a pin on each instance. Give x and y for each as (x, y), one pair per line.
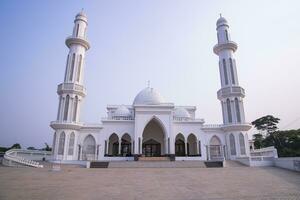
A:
(71, 93)
(231, 94)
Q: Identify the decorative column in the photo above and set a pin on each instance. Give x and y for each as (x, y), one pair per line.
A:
(186, 149)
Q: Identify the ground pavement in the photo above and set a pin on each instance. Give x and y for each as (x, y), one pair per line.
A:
(149, 183)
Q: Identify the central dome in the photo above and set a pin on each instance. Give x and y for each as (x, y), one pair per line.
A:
(148, 96)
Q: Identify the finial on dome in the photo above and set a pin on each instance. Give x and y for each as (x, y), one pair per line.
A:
(220, 15)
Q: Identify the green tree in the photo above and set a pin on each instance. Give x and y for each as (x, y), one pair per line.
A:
(47, 147)
(266, 124)
(31, 148)
(258, 140)
(16, 146)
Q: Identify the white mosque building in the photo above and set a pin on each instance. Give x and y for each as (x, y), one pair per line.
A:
(151, 126)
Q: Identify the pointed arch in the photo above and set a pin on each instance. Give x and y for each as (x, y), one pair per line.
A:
(232, 144)
(229, 111)
(89, 148)
(192, 145)
(237, 110)
(113, 145)
(66, 108)
(71, 144)
(180, 145)
(79, 68)
(72, 67)
(61, 143)
(54, 143)
(154, 137)
(75, 109)
(215, 148)
(242, 144)
(126, 145)
(225, 71)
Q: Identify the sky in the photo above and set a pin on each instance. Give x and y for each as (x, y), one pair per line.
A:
(168, 42)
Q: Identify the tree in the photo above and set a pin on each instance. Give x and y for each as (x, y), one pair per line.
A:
(266, 123)
(16, 146)
(31, 148)
(258, 140)
(47, 147)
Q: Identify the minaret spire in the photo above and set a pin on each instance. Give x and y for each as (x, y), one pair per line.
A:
(231, 94)
(71, 92)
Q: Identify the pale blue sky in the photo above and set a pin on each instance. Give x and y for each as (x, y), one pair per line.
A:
(168, 42)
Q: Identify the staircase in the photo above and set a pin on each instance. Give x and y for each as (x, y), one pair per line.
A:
(156, 164)
(11, 158)
(233, 163)
(144, 158)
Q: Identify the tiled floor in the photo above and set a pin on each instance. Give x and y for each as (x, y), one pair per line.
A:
(149, 183)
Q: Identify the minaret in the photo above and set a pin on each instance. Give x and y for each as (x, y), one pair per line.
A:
(71, 92)
(231, 94)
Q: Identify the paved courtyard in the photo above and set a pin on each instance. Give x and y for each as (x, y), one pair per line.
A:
(149, 183)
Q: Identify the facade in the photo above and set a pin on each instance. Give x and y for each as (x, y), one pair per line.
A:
(151, 126)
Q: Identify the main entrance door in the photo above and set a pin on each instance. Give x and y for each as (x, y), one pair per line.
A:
(151, 148)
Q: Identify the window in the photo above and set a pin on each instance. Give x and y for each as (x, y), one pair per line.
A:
(71, 144)
(237, 109)
(79, 68)
(229, 111)
(72, 67)
(59, 105)
(231, 70)
(218, 37)
(77, 30)
(61, 144)
(232, 144)
(66, 67)
(225, 72)
(75, 108)
(242, 144)
(66, 107)
(226, 33)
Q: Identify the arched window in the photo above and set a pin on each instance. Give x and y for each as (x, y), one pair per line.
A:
(54, 141)
(237, 109)
(79, 68)
(218, 36)
(61, 144)
(231, 70)
(75, 108)
(71, 144)
(226, 34)
(72, 67)
(242, 144)
(232, 144)
(59, 106)
(225, 72)
(77, 30)
(66, 108)
(66, 67)
(229, 111)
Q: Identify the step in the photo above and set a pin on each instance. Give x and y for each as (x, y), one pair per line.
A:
(143, 158)
(156, 164)
(97, 164)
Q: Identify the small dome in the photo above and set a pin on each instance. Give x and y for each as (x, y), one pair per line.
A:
(181, 113)
(222, 21)
(81, 14)
(122, 111)
(148, 96)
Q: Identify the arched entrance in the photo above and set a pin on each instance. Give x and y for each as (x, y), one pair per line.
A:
(215, 148)
(153, 139)
(179, 145)
(126, 145)
(192, 145)
(113, 145)
(89, 148)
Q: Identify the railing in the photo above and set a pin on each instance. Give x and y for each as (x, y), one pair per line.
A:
(71, 86)
(227, 91)
(212, 125)
(12, 155)
(266, 152)
(185, 119)
(126, 118)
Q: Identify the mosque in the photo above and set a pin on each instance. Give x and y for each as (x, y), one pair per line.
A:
(151, 127)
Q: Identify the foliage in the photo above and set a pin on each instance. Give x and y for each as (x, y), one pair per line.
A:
(47, 147)
(286, 142)
(31, 148)
(16, 146)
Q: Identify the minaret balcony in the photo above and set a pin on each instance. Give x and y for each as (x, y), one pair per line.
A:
(71, 88)
(229, 45)
(231, 91)
(77, 40)
(66, 125)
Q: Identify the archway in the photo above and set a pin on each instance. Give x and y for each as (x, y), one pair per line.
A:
(126, 145)
(179, 145)
(113, 145)
(153, 139)
(89, 148)
(215, 148)
(192, 145)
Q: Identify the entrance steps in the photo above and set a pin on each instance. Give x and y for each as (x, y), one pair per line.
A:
(143, 158)
(233, 163)
(156, 164)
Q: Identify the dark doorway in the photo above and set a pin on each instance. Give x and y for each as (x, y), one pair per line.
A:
(151, 148)
(179, 148)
